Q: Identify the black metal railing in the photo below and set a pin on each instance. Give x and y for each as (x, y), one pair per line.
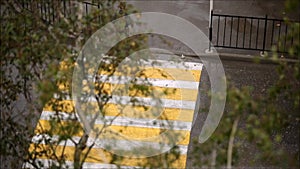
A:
(250, 33)
(47, 9)
(226, 31)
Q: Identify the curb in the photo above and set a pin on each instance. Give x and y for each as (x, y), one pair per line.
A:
(254, 59)
(239, 57)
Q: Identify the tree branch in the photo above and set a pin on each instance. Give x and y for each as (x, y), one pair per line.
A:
(230, 143)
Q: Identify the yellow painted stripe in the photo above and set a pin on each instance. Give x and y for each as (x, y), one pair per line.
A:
(143, 91)
(153, 73)
(147, 91)
(95, 155)
(173, 93)
(112, 132)
(158, 73)
(67, 106)
(132, 133)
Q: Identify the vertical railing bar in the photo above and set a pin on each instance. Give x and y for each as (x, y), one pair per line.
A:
(29, 5)
(250, 33)
(64, 7)
(86, 9)
(210, 30)
(224, 33)
(49, 12)
(285, 36)
(257, 31)
(41, 8)
(265, 34)
(279, 31)
(45, 10)
(237, 32)
(244, 33)
(278, 38)
(53, 12)
(58, 7)
(218, 30)
(272, 33)
(23, 4)
(231, 30)
(70, 8)
(37, 6)
(292, 37)
(98, 14)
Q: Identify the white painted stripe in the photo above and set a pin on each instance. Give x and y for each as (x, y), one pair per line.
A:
(127, 100)
(125, 145)
(152, 82)
(125, 121)
(160, 124)
(157, 63)
(86, 165)
(172, 64)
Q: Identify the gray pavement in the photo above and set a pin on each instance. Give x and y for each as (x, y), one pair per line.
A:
(245, 73)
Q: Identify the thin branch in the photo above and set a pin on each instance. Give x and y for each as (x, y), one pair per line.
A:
(230, 143)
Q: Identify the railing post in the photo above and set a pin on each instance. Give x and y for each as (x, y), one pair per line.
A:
(64, 8)
(265, 34)
(210, 30)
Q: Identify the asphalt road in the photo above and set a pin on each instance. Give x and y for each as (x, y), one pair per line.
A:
(260, 77)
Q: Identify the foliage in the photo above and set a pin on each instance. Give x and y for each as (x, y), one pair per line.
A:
(257, 123)
(37, 60)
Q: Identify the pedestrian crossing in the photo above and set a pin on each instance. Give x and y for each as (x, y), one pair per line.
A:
(144, 131)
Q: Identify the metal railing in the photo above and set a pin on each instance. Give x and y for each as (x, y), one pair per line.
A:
(47, 9)
(225, 31)
(249, 33)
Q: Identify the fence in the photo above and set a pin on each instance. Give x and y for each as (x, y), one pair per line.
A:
(226, 31)
(250, 33)
(47, 9)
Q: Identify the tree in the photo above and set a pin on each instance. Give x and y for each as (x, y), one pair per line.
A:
(40, 42)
